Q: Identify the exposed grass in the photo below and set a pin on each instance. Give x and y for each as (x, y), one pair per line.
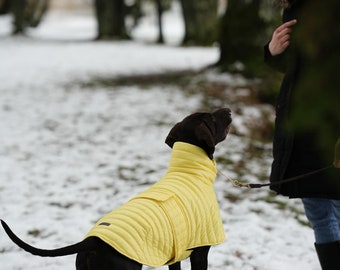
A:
(179, 78)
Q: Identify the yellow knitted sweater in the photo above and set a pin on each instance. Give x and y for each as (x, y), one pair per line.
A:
(162, 224)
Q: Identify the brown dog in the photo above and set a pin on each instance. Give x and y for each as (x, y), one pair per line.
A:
(176, 218)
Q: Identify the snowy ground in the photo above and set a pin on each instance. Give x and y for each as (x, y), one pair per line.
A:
(70, 153)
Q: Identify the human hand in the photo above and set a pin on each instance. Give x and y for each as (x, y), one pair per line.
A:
(281, 38)
(336, 162)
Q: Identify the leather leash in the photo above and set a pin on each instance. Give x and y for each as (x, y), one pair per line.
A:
(237, 183)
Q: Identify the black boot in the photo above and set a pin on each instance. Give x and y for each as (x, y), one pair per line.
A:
(329, 255)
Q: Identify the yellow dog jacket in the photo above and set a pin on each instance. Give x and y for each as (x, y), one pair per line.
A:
(162, 224)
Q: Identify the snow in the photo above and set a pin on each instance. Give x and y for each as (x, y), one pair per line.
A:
(71, 151)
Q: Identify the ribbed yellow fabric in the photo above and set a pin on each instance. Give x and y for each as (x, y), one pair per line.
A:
(160, 225)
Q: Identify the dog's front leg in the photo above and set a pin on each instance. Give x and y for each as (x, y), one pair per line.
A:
(175, 266)
(199, 258)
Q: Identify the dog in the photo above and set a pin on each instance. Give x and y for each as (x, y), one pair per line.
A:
(176, 218)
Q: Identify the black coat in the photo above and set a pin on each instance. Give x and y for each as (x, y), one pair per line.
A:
(297, 152)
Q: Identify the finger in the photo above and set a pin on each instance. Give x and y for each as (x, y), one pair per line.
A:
(290, 23)
(285, 44)
(286, 25)
(284, 34)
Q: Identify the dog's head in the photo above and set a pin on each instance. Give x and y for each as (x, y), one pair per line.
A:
(204, 130)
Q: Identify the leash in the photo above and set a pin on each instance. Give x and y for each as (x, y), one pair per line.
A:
(237, 183)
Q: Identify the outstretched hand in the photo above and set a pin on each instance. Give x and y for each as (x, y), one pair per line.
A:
(336, 162)
(281, 38)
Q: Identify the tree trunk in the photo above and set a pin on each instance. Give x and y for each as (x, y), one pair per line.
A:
(111, 19)
(160, 10)
(35, 10)
(27, 13)
(240, 36)
(200, 19)
(4, 6)
(18, 11)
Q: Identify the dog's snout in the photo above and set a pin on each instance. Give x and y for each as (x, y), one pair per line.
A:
(223, 115)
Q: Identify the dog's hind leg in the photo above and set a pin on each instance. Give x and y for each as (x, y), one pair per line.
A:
(104, 257)
(199, 258)
(175, 266)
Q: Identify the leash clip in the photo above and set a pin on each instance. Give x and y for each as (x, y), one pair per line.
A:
(235, 182)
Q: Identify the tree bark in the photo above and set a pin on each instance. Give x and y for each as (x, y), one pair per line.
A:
(4, 6)
(18, 11)
(111, 19)
(160, 10)
(241, 35)
(200, 19)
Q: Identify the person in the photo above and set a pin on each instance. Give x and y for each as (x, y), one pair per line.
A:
(305, 47)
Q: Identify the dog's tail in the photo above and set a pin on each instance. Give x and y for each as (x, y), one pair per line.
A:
(84, 245)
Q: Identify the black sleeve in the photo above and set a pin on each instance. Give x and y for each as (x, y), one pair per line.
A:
(277, 62)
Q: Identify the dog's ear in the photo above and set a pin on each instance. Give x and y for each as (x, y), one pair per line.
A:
(222, 122)
(173, 135)
(205, 134)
